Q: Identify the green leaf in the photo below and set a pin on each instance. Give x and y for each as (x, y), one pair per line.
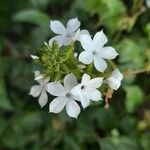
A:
(134, 97)
(131, 54)
(3, 125)
(4, 101)
(128, 124)
(118, 143)
(145, 141)
(147, 30)
(39, 3)
(110, 12)
(70, 143)
(30, 121)
(32, 16)
(107, 120)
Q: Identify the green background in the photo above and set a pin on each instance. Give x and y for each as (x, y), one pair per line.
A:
(24, 26)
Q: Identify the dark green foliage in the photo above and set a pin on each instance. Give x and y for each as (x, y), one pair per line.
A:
(24, 27)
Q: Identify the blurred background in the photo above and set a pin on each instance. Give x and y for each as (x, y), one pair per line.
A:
(24, 26)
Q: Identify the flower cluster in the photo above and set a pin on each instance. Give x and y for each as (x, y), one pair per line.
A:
(63, 68)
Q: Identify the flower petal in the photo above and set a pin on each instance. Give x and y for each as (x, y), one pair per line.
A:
(39, 78)
(108, 52)
(85, 78)
(56, 89)
(86, 57)
(85, 101)
(43, 81)
(72, 25)
(94, 83)
(99, 40)
(68, 40)
(116, 74)
(79, 95)
(57, 104)
(80, 33)
(86, 42)
(100, 64)
(148, 3)
(57, 27)
(93, 94)
(76, 35)
(72, 108)
(61, 40)
(76, 91)
(70, 81)
(113, 83)
(43, 99)
(37, 75)
(35, 90)
(34, 57)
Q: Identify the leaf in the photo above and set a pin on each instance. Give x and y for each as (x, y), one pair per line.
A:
(134, 97)
(70, 143)
(128, 124)
(32, 16)
(145, 141)
(107, 120)
(147, 30)
(4, 101)
(110, 12)
(3, 125)
(131, 54)
(30, 121)
(39, 3)
(118, 143)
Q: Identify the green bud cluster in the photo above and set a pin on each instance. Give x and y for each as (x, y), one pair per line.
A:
(57, 61)
(54, 59)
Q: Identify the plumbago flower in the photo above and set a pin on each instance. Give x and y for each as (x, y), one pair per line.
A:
(59, 58)
(114, 81)
(148, 3)
(41, 89)
(94, 51)
(87, 90)
(65, 97)
(66, 35)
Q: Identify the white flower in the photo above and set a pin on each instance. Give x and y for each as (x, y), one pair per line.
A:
(40, 90)
(65, 97)
(87, 90)
(34, 57)
(80, 33)
(114, 81)
(66, 35)
(148, 3)
(94, 51)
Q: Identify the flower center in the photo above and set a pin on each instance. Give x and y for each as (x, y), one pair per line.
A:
(82, 87)
(94, 53)
(68, 95)
(68, 35)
